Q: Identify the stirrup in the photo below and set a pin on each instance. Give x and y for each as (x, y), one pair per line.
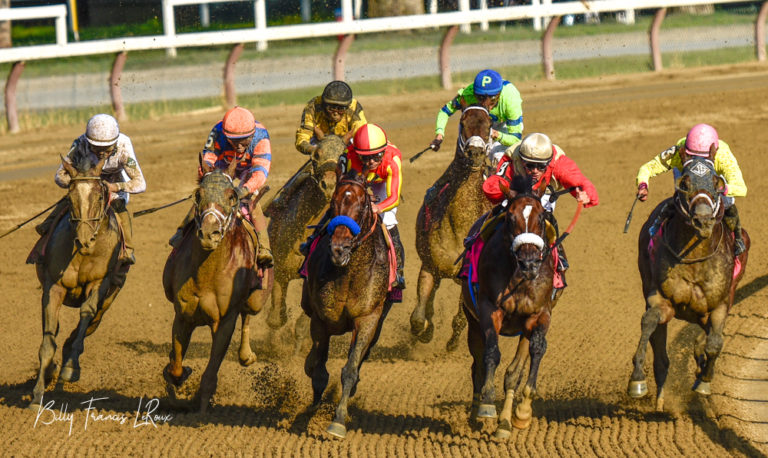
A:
(739, 247)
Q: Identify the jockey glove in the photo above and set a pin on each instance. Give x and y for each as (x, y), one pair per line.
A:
(242, 192)
(435, 145)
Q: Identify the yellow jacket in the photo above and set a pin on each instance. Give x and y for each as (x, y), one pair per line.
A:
(725, 165)
(314, 115)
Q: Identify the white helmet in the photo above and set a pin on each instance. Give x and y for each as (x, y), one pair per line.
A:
(536, 147)
(102, 130)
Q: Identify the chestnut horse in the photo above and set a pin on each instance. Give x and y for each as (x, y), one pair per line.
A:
(289, 219)
(689, 272)
(346, 289)
(211, 280)
(79, 269)
(513, 296)
(442, 224)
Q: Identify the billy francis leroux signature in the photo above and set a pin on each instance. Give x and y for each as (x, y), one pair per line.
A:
(146, 414)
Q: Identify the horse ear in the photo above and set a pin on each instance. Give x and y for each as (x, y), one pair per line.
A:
(231, 168)
(204, 165)
(99, 166)
(463, 103)
(510, 194)
(713, 150)
(70, 169)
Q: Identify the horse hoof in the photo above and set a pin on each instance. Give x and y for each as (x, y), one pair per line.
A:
(337, 430)
(503, 431)
(702, 387)
(637, 388)
(426, 333)
(171, 379)
(659, 404)
(486, 411)
(520, 423)
(245, 362)
(69, 374)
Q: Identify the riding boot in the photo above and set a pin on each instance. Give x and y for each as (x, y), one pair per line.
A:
(665, 212)
(124, 219)
(319, 227)
(731, 219)
(44, 227)
(562, 263)
(394, 234)
(264, 256)
(175, 240)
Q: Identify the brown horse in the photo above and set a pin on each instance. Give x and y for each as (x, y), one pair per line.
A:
(689, 272)
(289, 220)
(513, 296)
(443, 222)
(79, 269)
(346, 289)
(211, 280)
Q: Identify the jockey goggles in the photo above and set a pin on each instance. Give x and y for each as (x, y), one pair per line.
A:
(536, 165)
(371, 157)
(335, 108)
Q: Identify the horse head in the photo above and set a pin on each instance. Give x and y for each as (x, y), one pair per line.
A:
(324, 161)
(474, 136)
(89, 199)
(525, 226)
(352, 216)
(215, 204)
(698, 194)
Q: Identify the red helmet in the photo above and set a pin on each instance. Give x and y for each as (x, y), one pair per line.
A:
(699, 140)
(370, 139)
(238, 122)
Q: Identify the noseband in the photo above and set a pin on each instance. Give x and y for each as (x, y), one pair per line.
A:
(475, 140)
(359, 236)
(527, 237)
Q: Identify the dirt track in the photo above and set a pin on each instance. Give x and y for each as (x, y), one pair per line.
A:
(413, 399)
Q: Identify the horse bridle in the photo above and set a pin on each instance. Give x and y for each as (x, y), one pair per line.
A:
(224, 221)
(475, 140)
(358, 239)
(95, 222)
(527, 237)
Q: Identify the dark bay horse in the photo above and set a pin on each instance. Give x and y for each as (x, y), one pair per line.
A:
(346, 289)
(442, 224)
(289, 220)
(79, 269)
(689, 272)
(211, 280)
(513, 297)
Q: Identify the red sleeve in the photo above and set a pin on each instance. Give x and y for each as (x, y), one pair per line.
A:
(505, 170)
(567, 173)
(394, 178)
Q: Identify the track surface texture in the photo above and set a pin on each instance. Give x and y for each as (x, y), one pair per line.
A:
(413, 399)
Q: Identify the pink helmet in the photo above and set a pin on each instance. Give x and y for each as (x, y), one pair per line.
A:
(699, 139)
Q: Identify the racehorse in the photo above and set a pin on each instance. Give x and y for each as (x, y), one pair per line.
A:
(79, 269)
(513, 296)
(348, 275)
(289, 219)
(211, 280)
(689, 272)
(442, 224)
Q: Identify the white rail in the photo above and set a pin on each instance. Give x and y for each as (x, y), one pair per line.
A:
(58, 12)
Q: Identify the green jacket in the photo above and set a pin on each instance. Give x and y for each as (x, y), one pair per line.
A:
(507, 115)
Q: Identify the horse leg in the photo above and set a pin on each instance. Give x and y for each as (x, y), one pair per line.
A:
(175, 374)
(74, 345)
(660, 362)
(475, 346)
(421, 324)
(365, 330)
(278, 314)
(712, 349)
(512, 379)
(537, 348)
(105, 304)
(491, 356)
(698, 353)
(53, 296)
(638, 387)
(222, 336)
(458, 324)
(314, 366)
(246, 355)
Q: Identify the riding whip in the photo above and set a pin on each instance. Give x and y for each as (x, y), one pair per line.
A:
(152, 210)
(629, 217)
(19, 226)
(417, 155)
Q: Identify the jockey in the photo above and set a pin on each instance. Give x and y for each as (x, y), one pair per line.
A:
(239, 137)
(503, 102)
(548, 166)
(697, 143)
(335, 112)
(103, 140)
(380, 162)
